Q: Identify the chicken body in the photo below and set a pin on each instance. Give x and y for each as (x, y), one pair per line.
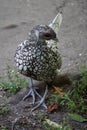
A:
(35, 58)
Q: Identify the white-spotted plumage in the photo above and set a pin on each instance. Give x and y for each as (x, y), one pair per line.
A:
(38, 57)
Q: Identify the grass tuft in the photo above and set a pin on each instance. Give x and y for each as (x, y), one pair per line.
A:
(4, 110)
(13, 82)
(75, 100)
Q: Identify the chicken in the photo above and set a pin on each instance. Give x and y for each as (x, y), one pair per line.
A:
(38, 57)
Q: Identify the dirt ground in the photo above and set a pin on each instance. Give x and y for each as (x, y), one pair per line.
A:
(17, 17)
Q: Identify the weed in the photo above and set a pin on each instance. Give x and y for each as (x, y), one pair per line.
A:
(41, 116)
(65, 125)
(4, 128)
(4, 110)
(75, 100)
(5, 100)
(45, 126)
(14, 82)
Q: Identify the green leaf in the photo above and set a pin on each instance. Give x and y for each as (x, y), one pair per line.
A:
(77, 117)
(53, 124)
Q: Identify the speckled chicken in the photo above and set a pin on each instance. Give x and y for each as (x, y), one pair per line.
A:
(38, 58)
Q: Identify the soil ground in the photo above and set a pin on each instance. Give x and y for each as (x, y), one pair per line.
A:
(17, 17)
(20, 116)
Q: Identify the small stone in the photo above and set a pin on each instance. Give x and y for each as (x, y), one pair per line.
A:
(80, 54)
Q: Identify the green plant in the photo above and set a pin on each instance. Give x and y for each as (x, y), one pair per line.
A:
(13, 82)
(4, 110)
(54, 98)
(45, 126)
(77, 117)
(65, 125)
(41, 116)
(75, 99)
(4, 128)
